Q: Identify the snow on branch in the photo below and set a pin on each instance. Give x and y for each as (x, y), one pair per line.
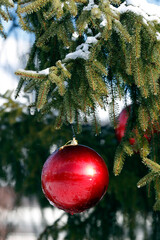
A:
(90, 6)
(42, 72)
(148, 11)
(82, 51)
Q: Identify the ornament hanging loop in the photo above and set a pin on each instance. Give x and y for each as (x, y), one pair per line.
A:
(72, 142)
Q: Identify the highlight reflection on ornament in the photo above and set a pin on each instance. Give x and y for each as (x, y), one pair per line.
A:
(90, 171)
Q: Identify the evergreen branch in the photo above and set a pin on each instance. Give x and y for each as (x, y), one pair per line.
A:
(63, 35)
(138, 73)
(96, 13)
(58, 8)
(128, 149)
(71, 7)
(50, 32)
(157, 103)
(110, 11)
(109, 22)
(94, 72)
(81, 1)
(97, 99)
(19, 87)
(58, 75)
(154, 78)
(50, 104)
(117, 2)
(128, 61)
(106, 33)
(155, 167)
(90, 77)
(30, 86)
(58, 81)
(1, 32)
(120, 91)
(144, 90)
(94, 76)
(30, 74)
(96, 122)
(42, 95)
(156, 206)
(1, 27)
(64, 71)
(34, 6)
(78, 125)
(119, 160)
(4, 15)
(95, 51)
(41, 21)
(69, 108)
(145, 150)
(82, 21)
(24, 2)
(99, 67)
(120, 29)
(50, 13)
(147, 179)
(101, 86)
(60, 118)
(7, 3)
(143, 118)
(22, 22)
(77, 98)
(137, 41)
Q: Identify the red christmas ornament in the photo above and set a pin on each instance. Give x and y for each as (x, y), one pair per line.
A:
(121, 126)
(74, 178)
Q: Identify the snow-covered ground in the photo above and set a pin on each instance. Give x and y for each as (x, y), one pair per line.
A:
(28, 220)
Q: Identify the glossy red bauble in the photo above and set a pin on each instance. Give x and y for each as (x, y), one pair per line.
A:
(121, 126)
(74, 178)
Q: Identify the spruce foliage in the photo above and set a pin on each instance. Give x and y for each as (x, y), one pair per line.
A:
(95, 53)
(4, 13)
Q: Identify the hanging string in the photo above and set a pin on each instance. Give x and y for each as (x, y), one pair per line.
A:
(73, 132)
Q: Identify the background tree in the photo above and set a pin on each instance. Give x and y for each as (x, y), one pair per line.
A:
(25, 144)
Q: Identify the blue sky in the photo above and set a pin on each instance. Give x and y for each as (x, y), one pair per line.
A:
(157, 2)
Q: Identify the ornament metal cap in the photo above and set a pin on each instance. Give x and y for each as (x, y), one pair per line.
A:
(70, 142)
